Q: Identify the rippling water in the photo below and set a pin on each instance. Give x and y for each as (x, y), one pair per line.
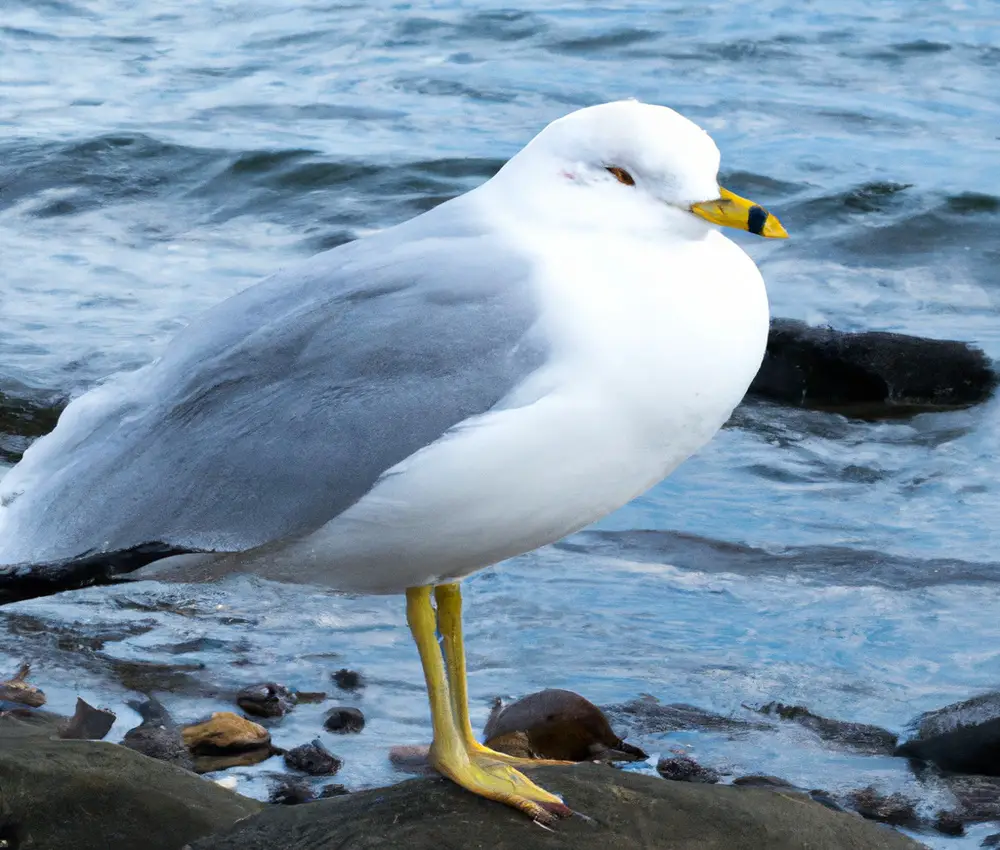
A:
(153, 163)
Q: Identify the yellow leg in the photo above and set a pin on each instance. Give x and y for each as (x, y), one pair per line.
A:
(448, 753)
(449, 614)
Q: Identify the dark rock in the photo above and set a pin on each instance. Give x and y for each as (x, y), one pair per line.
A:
(286, 791)
(334, 789)
(88, 723)
(556, 724)
(949, 823)
(894, 809)
(90, 795)
(991, 840)
(862, 737)
(870, 375)
(17, 689)
(210, 763)
(158, 736)
(762, 780)
(627, 811)
(962, 738)
(348, 680)
(344, 719)
(683, 769)
(266, 699)
(314, 759)
(825, 799)
(978, 796)
(648, 716)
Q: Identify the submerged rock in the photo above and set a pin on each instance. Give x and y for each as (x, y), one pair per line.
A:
(870, 375)
(289, 791)
(313, 758)
(16, 689)
(893, 809)
(556, 724)
(266, 699)
(962, 738)
(648, 716)
(344, 719)
(627, 811)
(348, 680)
(862, 737)
(90, 795)
(684, 769)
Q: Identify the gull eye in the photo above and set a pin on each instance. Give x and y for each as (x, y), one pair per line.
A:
(621, 175)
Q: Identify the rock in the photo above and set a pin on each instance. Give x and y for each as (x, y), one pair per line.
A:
(948, 823)
(978, 797)
(872, 374)
(224, 731)
(348, 680)
(334, 789)
(287, 791)
(88, 723)
(266, 699)
(314, 759)
(16, 689)
(961, 738)
(684, 769)
(343, 720)
(158, 736)
(556, 724)
(90, 795)
(894, 809)
(762, 780)
(991, 840)
(223, 761)
(648, 716)
(861, 737)
(627, 811)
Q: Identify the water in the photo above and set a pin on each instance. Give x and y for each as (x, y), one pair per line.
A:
(152, 163)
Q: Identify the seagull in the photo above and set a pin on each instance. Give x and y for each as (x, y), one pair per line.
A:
(402, 411)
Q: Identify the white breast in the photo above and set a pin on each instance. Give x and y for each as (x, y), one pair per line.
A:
(653, 350)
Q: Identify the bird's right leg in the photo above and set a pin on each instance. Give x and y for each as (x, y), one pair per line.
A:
(448, 754)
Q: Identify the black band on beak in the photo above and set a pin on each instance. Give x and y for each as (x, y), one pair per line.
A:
(756, 219)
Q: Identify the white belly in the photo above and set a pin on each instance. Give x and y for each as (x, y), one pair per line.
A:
(645, 373)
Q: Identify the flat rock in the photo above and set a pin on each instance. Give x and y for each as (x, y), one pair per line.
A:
(90, 795)
(627, 811)
(648, 716)
(556, 724)
(224, 731)
(862, 737)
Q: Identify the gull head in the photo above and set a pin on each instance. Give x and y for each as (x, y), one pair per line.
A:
(633, 165)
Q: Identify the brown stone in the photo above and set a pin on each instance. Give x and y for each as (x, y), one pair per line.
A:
(224, 731)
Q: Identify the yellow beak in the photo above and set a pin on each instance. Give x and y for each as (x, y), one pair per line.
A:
(731, 210)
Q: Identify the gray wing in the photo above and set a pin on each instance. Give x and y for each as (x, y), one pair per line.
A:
(284, 404)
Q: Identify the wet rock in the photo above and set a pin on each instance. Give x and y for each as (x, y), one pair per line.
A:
(348, 680)
(313, 758)
(556, 724)
(343, 720)
(893, 809)
(91, 795)
(648, 716)
(762, 780)
(224, 731)
(948, 823)
(334, 789)
(287, 791)
(16, 689)
(961, 738)
(978, 797)
(158, 736)
(861, 737)
(204, 763)
(870, 375)
(627, 811)
(991, 840)
(266, 699)
(88, 723)
(684, 769)
(412, 759)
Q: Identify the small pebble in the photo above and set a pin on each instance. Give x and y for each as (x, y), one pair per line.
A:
(332, 790)
(684, 769)
(344, 719)
(266, 699)
(348, 680)
(313, 758)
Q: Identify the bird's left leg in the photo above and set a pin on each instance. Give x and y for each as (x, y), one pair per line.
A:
(449, 616)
